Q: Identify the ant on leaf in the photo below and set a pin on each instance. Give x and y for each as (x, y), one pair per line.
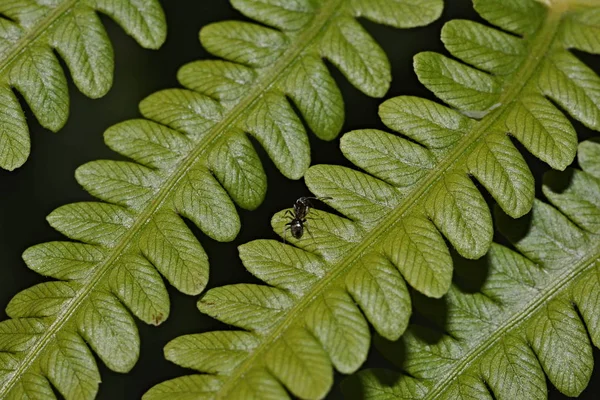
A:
(298, 217)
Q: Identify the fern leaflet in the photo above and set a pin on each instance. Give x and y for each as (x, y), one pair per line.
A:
(29, 32)
(525, 322)
(191, 155)
(416, 193)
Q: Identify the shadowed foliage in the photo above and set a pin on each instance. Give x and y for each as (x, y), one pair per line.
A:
(534, 316)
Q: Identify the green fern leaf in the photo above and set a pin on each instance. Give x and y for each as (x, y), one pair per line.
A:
(191, 157)
(29, 32)
(514, 317)
(415, 194)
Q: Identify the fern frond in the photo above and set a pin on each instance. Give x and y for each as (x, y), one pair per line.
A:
(415, 193)
(418, 191)
(192, 156)
(32, 30)
(532, 316)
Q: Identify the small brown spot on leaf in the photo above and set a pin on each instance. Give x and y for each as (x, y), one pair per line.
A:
(158, 319)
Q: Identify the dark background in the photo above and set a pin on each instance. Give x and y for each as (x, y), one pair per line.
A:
(47, 179)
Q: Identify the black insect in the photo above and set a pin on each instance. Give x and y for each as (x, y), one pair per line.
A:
(298, 217)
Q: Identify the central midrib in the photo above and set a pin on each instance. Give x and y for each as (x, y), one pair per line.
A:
(270, 76)
(521, 79)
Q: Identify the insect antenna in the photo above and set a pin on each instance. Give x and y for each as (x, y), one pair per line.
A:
(320, 198)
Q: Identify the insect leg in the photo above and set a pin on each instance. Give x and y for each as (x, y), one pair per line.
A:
(314, 217)
(305, 222)
(285, 229)
(289, 213)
